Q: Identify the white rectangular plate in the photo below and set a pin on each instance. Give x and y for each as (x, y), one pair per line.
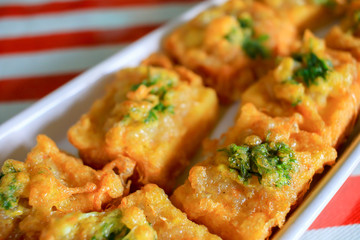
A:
(54, 114)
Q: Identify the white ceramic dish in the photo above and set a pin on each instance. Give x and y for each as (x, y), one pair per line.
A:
(55, 113)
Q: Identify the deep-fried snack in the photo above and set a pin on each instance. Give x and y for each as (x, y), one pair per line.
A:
(148, 114)
(168, 221)
(231, 45)
(115, 224)
(158, 59)
(262, 168)
(347, 35)
(320, 83)
(307, 14)
(51, 183)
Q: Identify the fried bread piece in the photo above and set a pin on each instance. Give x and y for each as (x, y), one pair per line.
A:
(263, 166)
(168, 221)
(231, 45)
(319, 83)
(145, 214)
(346, 36)
(148, 114)
(114, 224)
(51, 183)
(307, 14)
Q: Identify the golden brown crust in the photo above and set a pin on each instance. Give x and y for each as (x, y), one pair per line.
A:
(346, 35)
(158, 60)
(119, 124)
(203, 45)
(328, 107)
(307, 14)
(55, 183)
(168, 221)
(58, 184)
(214, 196)
(130, 223)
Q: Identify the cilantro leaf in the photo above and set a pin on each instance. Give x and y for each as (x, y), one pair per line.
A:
(313, 68)
(161, 108)
(245, 23)
(254, 47)
(159, 87)
(151, 116)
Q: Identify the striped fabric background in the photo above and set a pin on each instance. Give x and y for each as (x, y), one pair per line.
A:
(45, 43)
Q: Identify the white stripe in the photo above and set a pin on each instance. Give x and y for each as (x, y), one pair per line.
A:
(30, 2)
(349, 232)
(356, 172)
(53, 62)
(9, 110)
(89, 19)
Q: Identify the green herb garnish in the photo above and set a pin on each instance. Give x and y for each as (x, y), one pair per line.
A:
(160, 107)
(151, 116)
(159, 87)
(161, 92)
(230, 37)
(313, 68)
(106, 225)
(10, 186)
(270, 161)
(245, 23)
(254, 47)
(8, 200)
(150, 81)
(296, 102)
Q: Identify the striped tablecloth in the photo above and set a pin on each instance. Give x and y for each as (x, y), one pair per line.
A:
(45, 43)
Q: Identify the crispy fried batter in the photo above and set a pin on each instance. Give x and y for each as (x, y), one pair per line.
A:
(230, 45)
(148, 114)
(153, 118)
(347, 35)
(168, 221)
(115, 224)
(325, 89)
(51, 182)
(216, 196)
(307, 14)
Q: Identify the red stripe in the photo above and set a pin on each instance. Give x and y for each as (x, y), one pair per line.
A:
(54, 7)
(73, 39)
(32, 88)
(344, 208)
